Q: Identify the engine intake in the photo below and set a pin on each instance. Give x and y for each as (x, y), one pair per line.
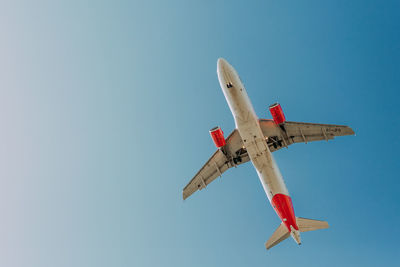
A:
(277, 113)
(217, 136)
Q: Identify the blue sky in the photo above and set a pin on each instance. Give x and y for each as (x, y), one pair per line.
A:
(105, 108)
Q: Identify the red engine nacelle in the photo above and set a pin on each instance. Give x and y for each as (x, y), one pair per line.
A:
(217, 136)
(277, 113)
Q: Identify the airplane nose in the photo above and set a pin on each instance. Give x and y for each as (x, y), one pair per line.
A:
(224, 71)
(221, 63)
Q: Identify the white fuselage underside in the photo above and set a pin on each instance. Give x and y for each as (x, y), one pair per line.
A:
(249, 129)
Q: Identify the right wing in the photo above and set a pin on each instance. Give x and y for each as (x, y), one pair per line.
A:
(231, 155)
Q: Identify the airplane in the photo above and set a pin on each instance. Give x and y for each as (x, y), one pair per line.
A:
(253, 140)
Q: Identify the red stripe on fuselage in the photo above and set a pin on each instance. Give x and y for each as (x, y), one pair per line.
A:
(284, 208)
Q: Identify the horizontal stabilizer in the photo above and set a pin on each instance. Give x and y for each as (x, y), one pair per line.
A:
(306, 225)
(280, 234)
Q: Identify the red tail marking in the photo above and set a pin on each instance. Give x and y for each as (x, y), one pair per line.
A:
(284, 208)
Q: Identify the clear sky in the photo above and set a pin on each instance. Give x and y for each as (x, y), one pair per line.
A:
(105, 108)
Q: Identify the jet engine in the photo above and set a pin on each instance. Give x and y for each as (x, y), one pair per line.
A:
(277, 113)
(217, 136)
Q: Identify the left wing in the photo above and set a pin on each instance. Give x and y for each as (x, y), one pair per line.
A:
(291, 132)
(231, 155)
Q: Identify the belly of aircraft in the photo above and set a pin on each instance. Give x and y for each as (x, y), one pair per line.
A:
(262, 159)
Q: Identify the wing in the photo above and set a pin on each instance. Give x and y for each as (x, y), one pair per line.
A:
(297, 132)
(232, 154)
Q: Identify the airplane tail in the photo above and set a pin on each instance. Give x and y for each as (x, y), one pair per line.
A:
(305, 225)
(280, 234)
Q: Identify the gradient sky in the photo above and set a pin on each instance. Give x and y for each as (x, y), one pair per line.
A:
(105, 108)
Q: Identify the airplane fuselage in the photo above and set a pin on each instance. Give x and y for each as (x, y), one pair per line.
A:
(255, 143)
